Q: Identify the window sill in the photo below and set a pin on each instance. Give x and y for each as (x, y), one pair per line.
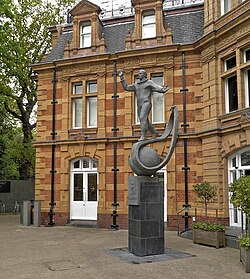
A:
(233, 115)
(82, 131)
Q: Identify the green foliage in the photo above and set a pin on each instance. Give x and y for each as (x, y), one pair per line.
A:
(240, 197)
(206, 193)
(24, 40)
(208, 227)
(15, 156)
(244, 241)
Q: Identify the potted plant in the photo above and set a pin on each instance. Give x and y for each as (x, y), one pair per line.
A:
(240, 197)
(205, 232)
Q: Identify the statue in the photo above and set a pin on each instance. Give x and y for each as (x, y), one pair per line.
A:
(145, 191)
(144, 160)
(143, 90)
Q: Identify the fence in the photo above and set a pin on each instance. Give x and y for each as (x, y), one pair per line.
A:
(14, 192)
(214, 215)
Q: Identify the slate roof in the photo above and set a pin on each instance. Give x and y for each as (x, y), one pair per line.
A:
(57, 51)
(186, 28)
(115, 36)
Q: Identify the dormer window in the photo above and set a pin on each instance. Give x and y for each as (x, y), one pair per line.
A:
(148, 25)
(85, 35)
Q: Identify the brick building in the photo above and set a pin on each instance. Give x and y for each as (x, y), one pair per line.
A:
(78, 82)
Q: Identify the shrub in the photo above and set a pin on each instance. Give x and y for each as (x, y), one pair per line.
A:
(208, 227)
(244, 241)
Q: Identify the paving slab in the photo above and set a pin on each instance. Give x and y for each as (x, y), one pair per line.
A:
(67, 252)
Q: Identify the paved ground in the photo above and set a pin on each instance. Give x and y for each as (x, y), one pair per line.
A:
(76, 252)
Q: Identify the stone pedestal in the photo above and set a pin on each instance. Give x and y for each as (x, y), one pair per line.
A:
(146, 216)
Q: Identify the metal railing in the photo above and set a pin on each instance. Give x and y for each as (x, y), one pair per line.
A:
(197, 214)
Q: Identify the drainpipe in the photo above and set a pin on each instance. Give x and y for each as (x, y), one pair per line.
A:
(115, 169)
(185, 125)
(53, 147)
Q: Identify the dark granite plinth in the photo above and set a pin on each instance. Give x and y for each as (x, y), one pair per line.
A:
(146, 220)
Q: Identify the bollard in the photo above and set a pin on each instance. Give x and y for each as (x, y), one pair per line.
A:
(37, 214)
(21, 214)
(26, 213)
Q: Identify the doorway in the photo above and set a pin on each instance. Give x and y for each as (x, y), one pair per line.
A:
(83, 189)
(238, 165)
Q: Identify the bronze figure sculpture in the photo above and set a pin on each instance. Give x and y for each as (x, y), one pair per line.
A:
(144, 160)
(143, 89)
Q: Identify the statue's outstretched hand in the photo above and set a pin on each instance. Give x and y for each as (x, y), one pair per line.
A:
(165, 88)
(120, 73)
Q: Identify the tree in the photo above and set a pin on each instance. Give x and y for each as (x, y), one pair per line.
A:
(240, 197)
(24, 40)
(13, 153)
(240, 190)
(206, 192)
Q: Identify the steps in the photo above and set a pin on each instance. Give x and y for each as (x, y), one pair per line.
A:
(83, 223)
(232, 235)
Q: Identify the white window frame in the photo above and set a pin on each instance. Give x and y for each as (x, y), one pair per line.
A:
(247, 87)
(223, 4)
(148, 24)
(85, 36)
(91, 162)
(74, 124)
(90, 97)
(89, 87)
(225, 63)
(227, 94)
(154, 97)
(89, 112)
(226, 83)
(245, 55)
(92, 91)
(75, 90)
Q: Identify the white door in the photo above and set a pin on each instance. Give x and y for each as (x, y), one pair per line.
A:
(238, 165)
(83, 201)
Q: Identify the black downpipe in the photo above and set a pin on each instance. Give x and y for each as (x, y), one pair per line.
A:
(115, 169)
(53, 148)
(185, 125)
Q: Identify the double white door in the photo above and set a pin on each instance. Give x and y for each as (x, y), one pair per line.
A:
(83, 204)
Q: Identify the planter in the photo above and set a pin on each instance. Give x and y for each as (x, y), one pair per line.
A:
(212, 238)
(245, 258)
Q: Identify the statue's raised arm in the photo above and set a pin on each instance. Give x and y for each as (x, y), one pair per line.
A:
(127, 87)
